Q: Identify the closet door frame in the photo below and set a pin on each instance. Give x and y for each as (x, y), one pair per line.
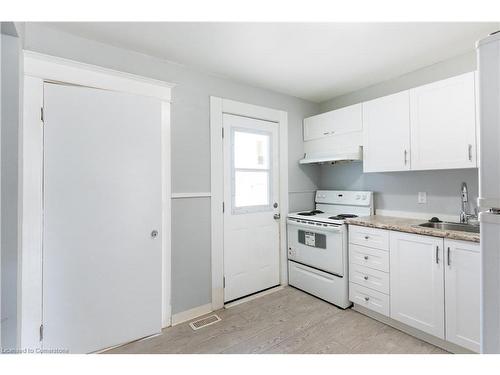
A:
(40, 68)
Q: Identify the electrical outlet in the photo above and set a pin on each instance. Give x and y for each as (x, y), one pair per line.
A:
(422, 197)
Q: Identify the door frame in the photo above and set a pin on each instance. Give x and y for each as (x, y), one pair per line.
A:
(219, 107)
(40, 68)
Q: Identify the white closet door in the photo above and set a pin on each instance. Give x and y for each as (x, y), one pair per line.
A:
(102, 201)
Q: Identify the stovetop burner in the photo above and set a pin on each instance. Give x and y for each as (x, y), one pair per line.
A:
(342, 216)
(310, 213)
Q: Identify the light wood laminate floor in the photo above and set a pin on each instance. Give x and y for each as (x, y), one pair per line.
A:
(287, 321)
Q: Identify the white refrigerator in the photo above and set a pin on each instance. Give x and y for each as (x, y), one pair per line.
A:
(488, 57)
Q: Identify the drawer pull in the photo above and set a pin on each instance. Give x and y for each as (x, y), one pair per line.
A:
(365, 277)
(367, 237)
(367, 299)
(366, 257)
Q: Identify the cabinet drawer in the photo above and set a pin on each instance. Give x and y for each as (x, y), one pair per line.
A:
(369, 298)
(368, 257)
(369, 278)
(372, 237)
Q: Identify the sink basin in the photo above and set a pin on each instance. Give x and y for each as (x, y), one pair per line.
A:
(451, 226)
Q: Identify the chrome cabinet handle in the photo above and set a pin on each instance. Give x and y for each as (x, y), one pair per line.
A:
(437, 254)
(366, 277)
(449, 260)
(470, 152)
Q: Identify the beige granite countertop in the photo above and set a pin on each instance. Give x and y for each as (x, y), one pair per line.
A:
(409, 225)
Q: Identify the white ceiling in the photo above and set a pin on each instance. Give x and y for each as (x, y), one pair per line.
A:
(313, 61)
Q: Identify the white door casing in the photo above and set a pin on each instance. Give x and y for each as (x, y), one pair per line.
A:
(251, 198)
(37, 69)
(417, 281)
(102, 204)
(219, 107)
(462, 293)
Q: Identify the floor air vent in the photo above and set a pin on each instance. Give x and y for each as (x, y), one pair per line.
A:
(203, 322)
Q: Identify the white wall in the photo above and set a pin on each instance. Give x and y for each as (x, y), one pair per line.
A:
(398, 190)
(191, 274)
(10, 121)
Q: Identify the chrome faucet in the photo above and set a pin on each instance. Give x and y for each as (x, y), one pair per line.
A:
(464, 213)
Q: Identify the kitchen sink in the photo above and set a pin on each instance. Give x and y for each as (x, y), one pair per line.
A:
(451, 226)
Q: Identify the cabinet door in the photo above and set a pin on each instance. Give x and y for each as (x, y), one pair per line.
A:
(386, 130)
(443, 124)
(340, 121)
(462, 286)
(417, 282)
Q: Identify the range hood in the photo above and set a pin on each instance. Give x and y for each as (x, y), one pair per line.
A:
(352, 154)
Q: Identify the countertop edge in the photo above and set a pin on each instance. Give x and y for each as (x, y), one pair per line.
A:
(407, 225)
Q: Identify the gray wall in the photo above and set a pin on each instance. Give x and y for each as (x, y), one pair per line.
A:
(398, 190)
(191, 275)
(10, 121)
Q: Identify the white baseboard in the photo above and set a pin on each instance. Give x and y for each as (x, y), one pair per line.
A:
(190, 314)
(417, 215)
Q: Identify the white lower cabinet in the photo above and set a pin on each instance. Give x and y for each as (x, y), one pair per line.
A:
(417, 282)
(428, 283)
(462, 293)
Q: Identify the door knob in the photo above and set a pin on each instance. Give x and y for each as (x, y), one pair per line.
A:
(154, 234)
(277, 216)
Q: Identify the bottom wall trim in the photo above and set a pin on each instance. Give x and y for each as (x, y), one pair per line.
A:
(448, 346)
(190, 314)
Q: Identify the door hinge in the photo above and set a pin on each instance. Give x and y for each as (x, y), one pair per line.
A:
(224, 282)
(41, 332)
(41, 114)
(223, 207)
(222, 132)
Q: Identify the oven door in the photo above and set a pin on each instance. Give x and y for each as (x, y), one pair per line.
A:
(317, 246)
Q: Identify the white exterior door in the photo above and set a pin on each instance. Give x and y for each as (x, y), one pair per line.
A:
(443, 124)
(463, 292)
(386, 131)
(102, 201)
(417, 282)
(251, 199)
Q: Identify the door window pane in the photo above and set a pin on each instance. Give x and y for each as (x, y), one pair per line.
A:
(251, 150)
(251, 188)
(251, 174)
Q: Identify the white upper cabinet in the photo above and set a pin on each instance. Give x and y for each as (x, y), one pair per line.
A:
(386, 133)
(462, 286)
(337, 122)
(417, 283)
(443, 124)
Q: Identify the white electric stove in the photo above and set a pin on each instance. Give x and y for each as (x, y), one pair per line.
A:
(317, 244)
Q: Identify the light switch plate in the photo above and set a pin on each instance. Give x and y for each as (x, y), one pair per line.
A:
(422, 197)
